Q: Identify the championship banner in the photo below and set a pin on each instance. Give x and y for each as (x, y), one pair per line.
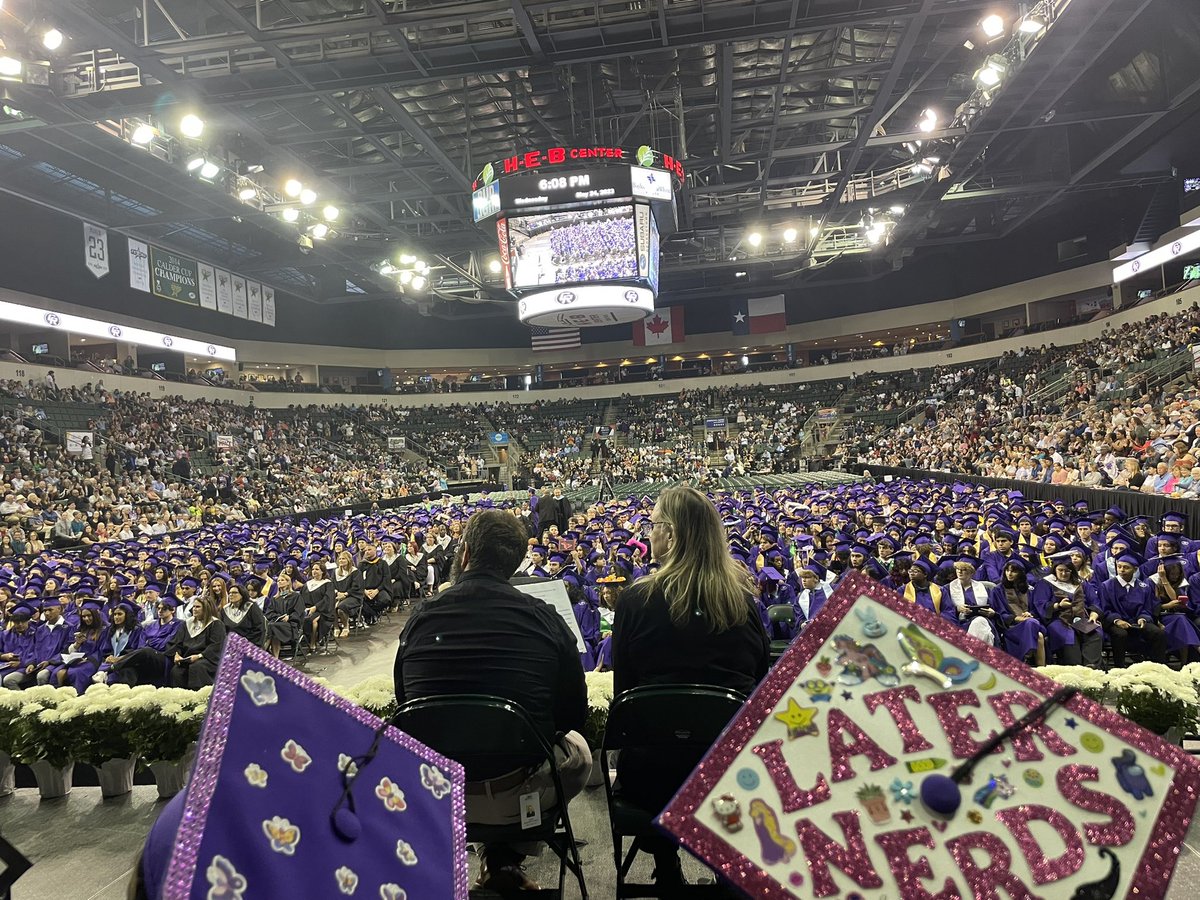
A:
(174, 277)
(268, 301)
(95, 249)
(208, 286)
(240, 308)
(224, 292)
(139, 266)
(254, 290)
(890, 754)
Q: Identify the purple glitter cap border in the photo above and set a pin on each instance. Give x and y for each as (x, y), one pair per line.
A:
(680, 817)
(182, 870)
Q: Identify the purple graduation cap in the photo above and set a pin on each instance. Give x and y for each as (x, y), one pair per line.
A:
(297, 792)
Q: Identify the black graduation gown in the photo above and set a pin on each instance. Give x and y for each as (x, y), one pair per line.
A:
(279, 606)
(376, 576)
(208, 644)
(402, 578)
(349, 584)
(253, 626)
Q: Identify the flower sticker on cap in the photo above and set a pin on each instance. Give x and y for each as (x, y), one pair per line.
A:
(405, 853)
(347, 764)
(392, 892)
(434, 781)
(256, 775)
(227, 882)
(391, 795)
(284, 836)
(347, 881)
(261, 688)
(295, 756)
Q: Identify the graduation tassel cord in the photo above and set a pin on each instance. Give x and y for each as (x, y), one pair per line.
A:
(940, 794)
(344, 816)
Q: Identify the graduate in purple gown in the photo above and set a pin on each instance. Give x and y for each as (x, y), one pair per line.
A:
(811, 597)
(18, 652)
(923, 592)
(1129, 613)
(51, 639)
(88, 639)
(973, 599)
(1018, 603)
(149, 663)
(1072, 615)
(124, 635)
(1171, 593)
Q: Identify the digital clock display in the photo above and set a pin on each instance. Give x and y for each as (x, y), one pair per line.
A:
(564, 182)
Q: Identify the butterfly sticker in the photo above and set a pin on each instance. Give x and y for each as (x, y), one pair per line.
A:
(347, 881)
(391, 795)
(295, 756)
(256, 775)
(227, 883)
(347, 764)
(261, 688)
(405, 853)
(434, 781)
(392, 892)
(284, 836)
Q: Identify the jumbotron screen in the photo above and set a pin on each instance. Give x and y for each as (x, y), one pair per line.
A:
(572, 247)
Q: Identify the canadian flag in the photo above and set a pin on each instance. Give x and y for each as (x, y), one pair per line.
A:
(664, 327)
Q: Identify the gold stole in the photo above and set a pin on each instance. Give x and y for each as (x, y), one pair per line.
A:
(935, 594)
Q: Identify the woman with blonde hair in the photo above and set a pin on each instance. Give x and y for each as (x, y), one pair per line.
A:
(195, 649)
(691, 622)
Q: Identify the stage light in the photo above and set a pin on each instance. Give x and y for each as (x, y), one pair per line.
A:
(993, 71)
(10, 66)
(308, 196)
(1032, 25)
(745, 360)
(897, 210)
(419, 283)
(320, 230)
(247, 192)
(929, 120)
(209, 170)
(814, 231)
(406, 276)
(142, 134)
(191, 125)
(291, 214)
(52, 39)
(992, 26)
(195, 163)
(292, 187)
(407, 259)
(754, 238)
(789, 235)
(494, 266)
(387, 269)
(331, 213)
(421, 266)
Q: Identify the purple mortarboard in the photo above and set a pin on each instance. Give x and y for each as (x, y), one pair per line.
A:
(22, 612)
(1131, 559)
(298, 792)
(769, 573)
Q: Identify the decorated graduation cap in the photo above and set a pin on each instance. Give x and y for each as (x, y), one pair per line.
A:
(945, 767)
(298, 792)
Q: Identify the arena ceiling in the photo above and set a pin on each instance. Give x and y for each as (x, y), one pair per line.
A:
(800, 114)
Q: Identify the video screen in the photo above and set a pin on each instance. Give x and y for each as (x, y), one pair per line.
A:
(571, 247)
(158, 367)
(41, 349)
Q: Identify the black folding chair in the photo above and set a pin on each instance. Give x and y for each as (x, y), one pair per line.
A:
(781, 614)
(474, 729)
(670, 722)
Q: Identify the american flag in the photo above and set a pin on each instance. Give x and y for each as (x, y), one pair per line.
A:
(543, 338)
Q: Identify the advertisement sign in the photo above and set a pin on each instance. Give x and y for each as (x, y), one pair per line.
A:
(174, 277)
(95, 249)
(826, 414)
(223, 442)
(651, 184)
(396, 443)
(716, 424)
(586, 305)
(498, 438)
(485, 202)
(1147, 261)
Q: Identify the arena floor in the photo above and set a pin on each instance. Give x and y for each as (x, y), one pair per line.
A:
(83, 847)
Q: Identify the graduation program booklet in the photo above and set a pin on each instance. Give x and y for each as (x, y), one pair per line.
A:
(554, 592)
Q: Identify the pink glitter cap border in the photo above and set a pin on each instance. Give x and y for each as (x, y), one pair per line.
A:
(182, 870)
(680, 819)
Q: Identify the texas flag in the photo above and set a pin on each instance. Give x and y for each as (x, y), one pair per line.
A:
(664, 327)
(758, 315)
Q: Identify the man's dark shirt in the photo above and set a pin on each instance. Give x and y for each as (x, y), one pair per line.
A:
(483, 636)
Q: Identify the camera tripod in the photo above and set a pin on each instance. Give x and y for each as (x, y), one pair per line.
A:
(605, 491)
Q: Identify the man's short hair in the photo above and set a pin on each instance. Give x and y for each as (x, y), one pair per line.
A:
(495, 542)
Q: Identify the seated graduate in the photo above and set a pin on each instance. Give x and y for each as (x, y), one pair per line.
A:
(125, 634)
(925, 593)
(320, 610)
(196, 648)
(78, 672)
(376, 584)
(241, 615)
(51, 638)
(481, 635)
(693, 621)
(1129, 609)
(1020, 605)
(347, 592)
(18, 653)
(812, 595)
(284, 615)
(1072, 616)
(1172, 596)
(149, 662)
(972, 598)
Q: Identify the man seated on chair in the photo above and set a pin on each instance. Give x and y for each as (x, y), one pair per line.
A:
(483, 636)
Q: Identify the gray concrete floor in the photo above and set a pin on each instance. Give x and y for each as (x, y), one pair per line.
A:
(83, 847)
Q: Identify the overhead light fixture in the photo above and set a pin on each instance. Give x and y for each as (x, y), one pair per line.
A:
(52, 39)
(387, 269)
(308, 196)
(195, 163)
(494, 266)
(421, 266)
(929, 120)
(1032, 25)
(992, 26)
(331, 213)
(247, 192)
(993, 71)
(407, 259)
(406, 276)
(320, 230)
(142, 134)
(789, 235)
(814, 231)
(754, 238)
(291, 214)
(292, 187)
(419, 283)
(209, 170)
(191, 125)
(10, 66)
(897, 210)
